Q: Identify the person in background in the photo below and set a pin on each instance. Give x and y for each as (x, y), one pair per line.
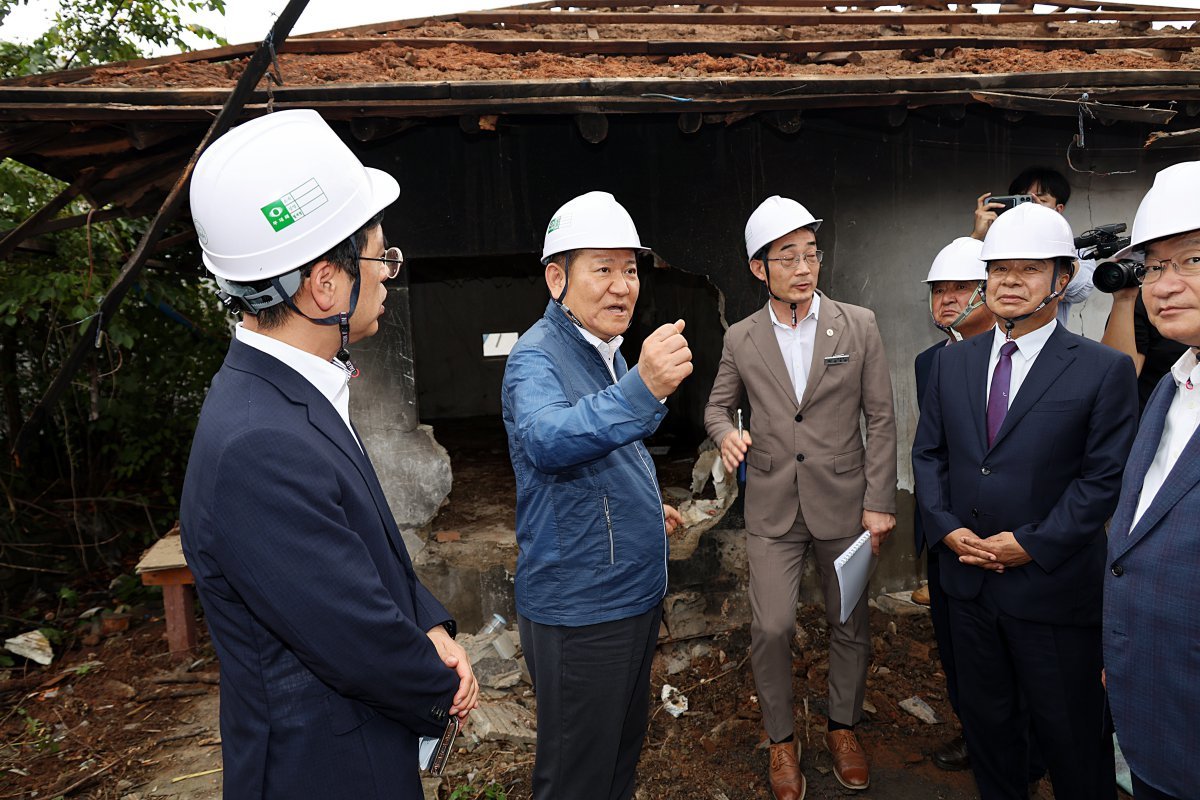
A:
(1151, 606)
(956, 285)
(1049, 188)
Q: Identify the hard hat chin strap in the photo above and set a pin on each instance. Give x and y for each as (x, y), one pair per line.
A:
(342, 320)
(976, 300)
(770, 291)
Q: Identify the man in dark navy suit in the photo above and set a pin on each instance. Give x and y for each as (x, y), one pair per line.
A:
(334, 658)
(956, 304)
(1018, 458)
(1151, 606)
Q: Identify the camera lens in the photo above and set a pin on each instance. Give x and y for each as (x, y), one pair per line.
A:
(1112, 276)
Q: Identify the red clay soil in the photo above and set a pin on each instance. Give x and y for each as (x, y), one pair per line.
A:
(392, 63)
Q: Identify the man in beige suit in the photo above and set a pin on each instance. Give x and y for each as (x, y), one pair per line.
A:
(808, 366)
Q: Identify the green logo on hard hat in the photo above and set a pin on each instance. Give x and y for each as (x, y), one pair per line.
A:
(295, 205)
(554, 223)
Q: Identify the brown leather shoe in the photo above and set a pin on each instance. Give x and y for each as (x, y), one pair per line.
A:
(920, 595)
(787, 781)
(849, 760)
(952, 755)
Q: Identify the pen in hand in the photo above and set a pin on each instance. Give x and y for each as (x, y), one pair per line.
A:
(741, 470)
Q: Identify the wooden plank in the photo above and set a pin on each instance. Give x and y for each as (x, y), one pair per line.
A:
(1070, 108)
(1088, 4)
(179, 607)
(1174, 138)
(769, 19)
(178, 576)
(639, 47)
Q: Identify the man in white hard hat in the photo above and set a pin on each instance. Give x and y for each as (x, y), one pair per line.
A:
(1151, 606)
(955, 281)
(808, 365)
(1049, 188)
(1017, 460)
(334, 658)
(591, 525)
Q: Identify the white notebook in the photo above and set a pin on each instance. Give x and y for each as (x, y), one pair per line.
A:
(853, 567)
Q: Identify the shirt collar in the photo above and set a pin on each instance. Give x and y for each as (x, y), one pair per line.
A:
(329, 378)
(1028, 345)
(814, 309)
(1186, 371)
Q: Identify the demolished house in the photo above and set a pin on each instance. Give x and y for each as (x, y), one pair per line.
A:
(887, 122)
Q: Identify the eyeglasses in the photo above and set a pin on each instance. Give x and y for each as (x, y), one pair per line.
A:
(1188, 266)
(792, 260)
(392, 257)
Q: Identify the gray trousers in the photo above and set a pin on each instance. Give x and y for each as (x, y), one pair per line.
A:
(593, 695)
(776, 565)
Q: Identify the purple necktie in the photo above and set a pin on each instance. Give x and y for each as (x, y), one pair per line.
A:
(997, 405)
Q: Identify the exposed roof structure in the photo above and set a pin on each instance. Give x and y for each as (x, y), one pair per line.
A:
(134, 124)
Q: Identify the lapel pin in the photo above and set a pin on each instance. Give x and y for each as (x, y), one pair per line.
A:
(829, 331)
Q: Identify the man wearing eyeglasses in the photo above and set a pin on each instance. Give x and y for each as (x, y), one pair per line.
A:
(334, 658)
(808, 366)
(1151, 606)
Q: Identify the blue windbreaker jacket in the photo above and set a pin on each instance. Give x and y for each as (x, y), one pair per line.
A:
(590, 528)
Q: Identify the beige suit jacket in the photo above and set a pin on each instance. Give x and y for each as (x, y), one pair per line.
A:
(808, 452)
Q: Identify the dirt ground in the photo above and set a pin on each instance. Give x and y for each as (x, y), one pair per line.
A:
(118, 720)
(113, 718)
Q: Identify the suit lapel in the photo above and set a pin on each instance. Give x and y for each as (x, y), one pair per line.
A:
(327, 422)
(829, 318)
(1051, 362)
(977, 371)
(762, 335)
(1182, 478)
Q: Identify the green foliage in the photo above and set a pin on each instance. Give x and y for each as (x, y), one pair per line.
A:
(37, 733)
(68, 595)
(106, 465)
(87, 32)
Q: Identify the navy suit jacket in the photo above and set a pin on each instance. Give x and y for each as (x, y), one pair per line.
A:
(1152, 612)
(327, 674)
(923, 365)
(1051, 477)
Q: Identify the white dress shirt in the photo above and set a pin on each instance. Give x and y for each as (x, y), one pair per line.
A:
(796, 344)
(607, 350)
(1028, 348)
(327, 377)
(1180, 425)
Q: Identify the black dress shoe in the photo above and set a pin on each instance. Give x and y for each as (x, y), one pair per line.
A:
(952, 756)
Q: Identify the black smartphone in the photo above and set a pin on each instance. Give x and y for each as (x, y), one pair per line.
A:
(434, 753)
(1010, 200)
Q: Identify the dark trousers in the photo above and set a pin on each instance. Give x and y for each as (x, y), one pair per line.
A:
(1013, 672)
(1144, 791)
(593, 695)
(939, 614)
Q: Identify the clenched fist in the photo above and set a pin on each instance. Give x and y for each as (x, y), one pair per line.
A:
(665, 360)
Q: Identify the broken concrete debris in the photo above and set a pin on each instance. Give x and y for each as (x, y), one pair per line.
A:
(673, 700)
(683, 613)
(504, 721)
(899, 604)
(920, 709)
(32, 645)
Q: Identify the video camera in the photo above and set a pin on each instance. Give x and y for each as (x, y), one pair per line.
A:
(1100, 243)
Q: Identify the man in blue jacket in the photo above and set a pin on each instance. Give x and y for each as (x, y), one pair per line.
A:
(1151, 607)
(334, 658)
(591, 525)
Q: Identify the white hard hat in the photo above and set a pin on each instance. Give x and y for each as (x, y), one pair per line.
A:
(1170, 207)
(958, 261)
(1029, 231)
(277, 192)
(594, 220)
(776, 216)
